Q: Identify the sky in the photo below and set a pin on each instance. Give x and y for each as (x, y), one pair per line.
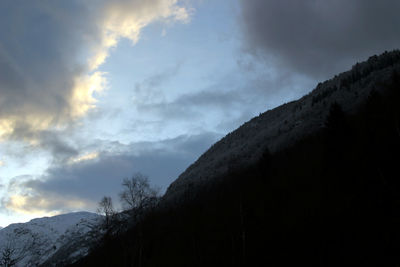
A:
(92, 92)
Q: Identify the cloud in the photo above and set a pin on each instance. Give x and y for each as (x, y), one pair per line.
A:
(85, 157)
(222, 104)
(43, 206)
(50, 53)
(38, 61)
(126, 18)
(55, 143)
(80, 184)
(149, 90)
(192, 105)
(158, 79)
(319, 38)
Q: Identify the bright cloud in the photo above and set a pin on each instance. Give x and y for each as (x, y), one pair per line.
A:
(43, 206)
(89, 156)
(126, 19)
(83, 92)
(25, 200)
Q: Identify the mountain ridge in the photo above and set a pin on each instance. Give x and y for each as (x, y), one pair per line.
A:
(282, 126)
(34, 242)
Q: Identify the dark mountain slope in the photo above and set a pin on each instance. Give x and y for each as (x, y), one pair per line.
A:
(284, 125)
(326, 193)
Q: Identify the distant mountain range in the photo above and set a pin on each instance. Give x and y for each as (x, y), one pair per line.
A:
(34, 242)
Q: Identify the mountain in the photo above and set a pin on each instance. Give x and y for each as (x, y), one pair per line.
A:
(34, 242)
(283, 126)
(314, 182)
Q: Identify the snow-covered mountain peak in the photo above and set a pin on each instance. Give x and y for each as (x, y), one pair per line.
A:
(32, 243)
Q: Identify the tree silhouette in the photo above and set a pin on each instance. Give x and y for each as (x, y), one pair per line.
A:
(335, 121)
(106, 208)
(137, 193)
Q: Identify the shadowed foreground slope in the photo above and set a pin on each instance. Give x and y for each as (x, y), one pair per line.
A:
(331, 197)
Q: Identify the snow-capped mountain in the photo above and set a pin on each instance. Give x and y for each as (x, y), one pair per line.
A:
(34, 242)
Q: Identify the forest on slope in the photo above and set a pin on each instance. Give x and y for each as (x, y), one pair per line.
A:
(330, 199)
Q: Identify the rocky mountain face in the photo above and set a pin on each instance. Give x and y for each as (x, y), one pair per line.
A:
(35, 242)
(283, 126)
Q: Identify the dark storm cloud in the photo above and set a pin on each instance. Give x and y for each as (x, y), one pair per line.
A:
(80, 185)
(320, 38)
(60, 145)
(60, 149)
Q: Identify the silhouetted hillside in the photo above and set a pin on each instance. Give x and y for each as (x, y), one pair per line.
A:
(283, 126)
(311, 183)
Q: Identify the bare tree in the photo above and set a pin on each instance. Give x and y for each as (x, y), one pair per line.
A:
(106, 208)
(138, 196)
(137, 193)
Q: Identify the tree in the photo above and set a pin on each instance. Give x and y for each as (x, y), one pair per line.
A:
(137, 193)
(138, 196)
(336, 120)
(337, 132)
(106, 208)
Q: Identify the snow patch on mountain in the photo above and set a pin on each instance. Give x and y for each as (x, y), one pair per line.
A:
(32, 243)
